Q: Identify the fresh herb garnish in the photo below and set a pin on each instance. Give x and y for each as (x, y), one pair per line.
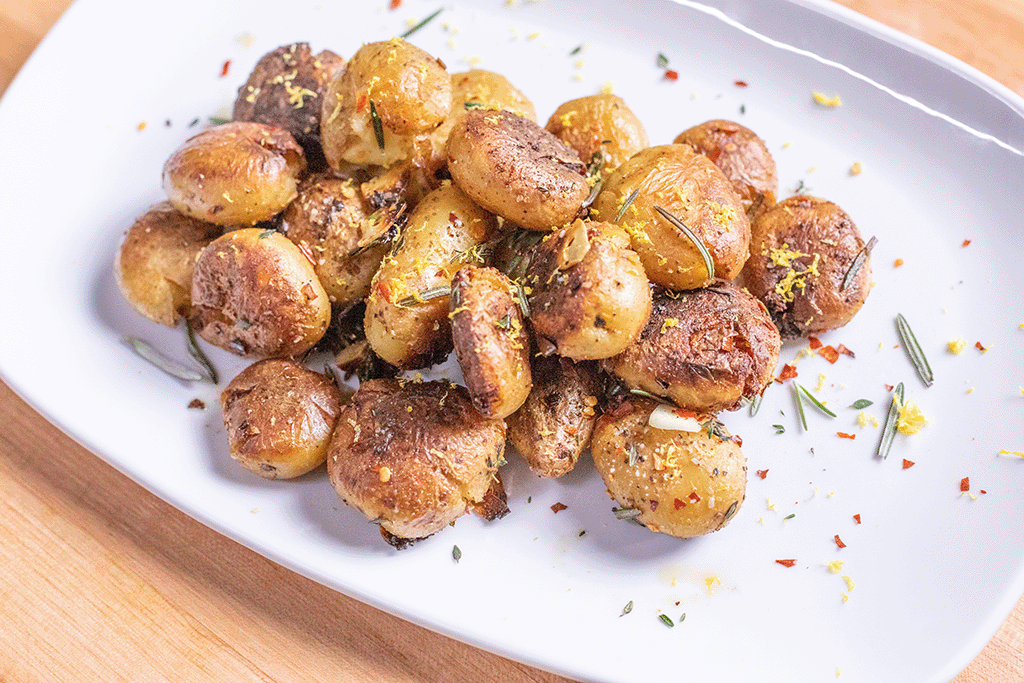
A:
(779, 429)
(504, 323)
(198, 355)
(170, 366)
(267, 233)
(800, 406)
(914, 350)
(665, 619)
(425, 295)
(456, 554)
(817, 404)
(709, 264)
(583, 533)
(858, 261)
(682, 618)
(632, 455)
(576, 50)
(861, 403)
(889, 429)
(378, 126)
(662, 61)
(790, 516)
(474, 105)
(627, 609)
(625, 513)
(755, 404)
(217, 120)
(423, 23)
(625, 205)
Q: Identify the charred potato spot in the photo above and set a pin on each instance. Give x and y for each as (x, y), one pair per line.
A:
(693, 190)
(255, 294)
(683, 484)
(589, 294)
(742, 156)
(599, 123)
(491, 344)
(416, 456)
(235, 174)
(802, 250)
(706, 350)
(153, 265)
(514, 168)
(279, 417)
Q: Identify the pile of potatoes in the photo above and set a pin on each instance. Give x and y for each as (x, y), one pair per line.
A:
(391, 213)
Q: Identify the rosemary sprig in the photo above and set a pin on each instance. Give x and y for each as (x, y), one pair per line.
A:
(625, 205)
(378, 127)
(889, 430)
(423, 23)
(709, 264)
(914, 350)
(817, 404)
(858, 261)
(625, 513)
(800, 406)
(198, 355)
(425, 295)
(666, 619)
(170, 366)
(755, 403)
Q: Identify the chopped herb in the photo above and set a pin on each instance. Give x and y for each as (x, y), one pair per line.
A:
(172, 367)
(889, 429)
(267, 233)
(503, 323)
(627, 609)
(914, 350)
(456, 554)
(625, 205)
(625, 513)
(817, 404)
(779, 429)
(378, 126)
(790, 516)
(709, 264)
(732, 509)
(217, 120)
(583, 533)
(632, 455)
(665, 619)
(423, 23)
(755, 404)
(529, 499)
(198, 355)
(682, 618)
(861, 403)
(645, 394)
(801, 188)
(743, 109)
(193, 122)
(474, 105)
(576, 50)
(425, 295)
(524, 305)
(800, 406)
(858, 261)
(662, 61)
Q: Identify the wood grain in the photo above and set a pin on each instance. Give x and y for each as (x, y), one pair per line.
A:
(102, 581)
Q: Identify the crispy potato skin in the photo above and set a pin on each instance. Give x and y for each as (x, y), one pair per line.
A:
(255, 294)
(489, 90)
(415, 456)
(595, 306)
(286, 89)
(684, 484)
(154, 262)
(706, 350)
(411, 93)
(236, 174)
(599, 122)
(554, 425)
(742, 156)
(514, 168)
(433, 246)
(694, 190)
(491, 344)
(800, 254)
(279, 418)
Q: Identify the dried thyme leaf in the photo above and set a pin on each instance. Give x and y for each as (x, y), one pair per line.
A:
(709, 264)
(914, 350)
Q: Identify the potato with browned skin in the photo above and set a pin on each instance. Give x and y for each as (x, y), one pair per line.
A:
(809, 265)
(706, 349)
(415, 456)
(236, 174)
(491, 344)
(589, 295)
(154, 262)
(674, 482)
(599, 123)
(255, 294)
(279, 418)
(514, 168)
(554, 425)
(694, 191)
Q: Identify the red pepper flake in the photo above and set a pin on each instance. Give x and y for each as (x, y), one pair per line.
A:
(786, 563)
(362, 101)
(224, 69)
(197, 403)
(740, 84)
(829, 354)
(395, 4)
(856, 518)
(889, 387)
(384, 292)
(737, 440)
(788, 372)
(694, 498)
(307, 289)
(678, 504)
(981, 348)
(683, 413)
(558, 507)
(654, 505)
(672, 74)
(897, 263)
(982, 491)
(839, 541)
(907, 464)
(965, 484)
(844, 435)
(845, 351)
(762, 473)
(814, 343)
(966, 242)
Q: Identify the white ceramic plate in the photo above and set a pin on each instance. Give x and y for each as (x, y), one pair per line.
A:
(934, 572)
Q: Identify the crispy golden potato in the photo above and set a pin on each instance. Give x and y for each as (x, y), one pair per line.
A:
(286, 89)
(279, 417)
(255, 294)
(589, 294)
(692, 189)
(416, 456)
(153, 265)
(391, 89)
(599, 123)
(407, 310)
(480, 89)
(742, 156)
(514, 168)
(801, 255)
(491, 344)
(706, 349)
(236, 174)
(554, 425)
(673, 482)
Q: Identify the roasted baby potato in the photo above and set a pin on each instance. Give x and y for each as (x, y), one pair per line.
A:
(706, 349)
(694, 191)
(554, 425)
(742, 156)
(589, 295)
(491, 345)
(279, 417)
(599, 123)
(514, 168)
(407, 310)
(674, 482)
(286, 89)
(384, 105)
(809, 265)
(153, 265)
(236, 174)
(255, 294)
(480, 89)
(415, 456)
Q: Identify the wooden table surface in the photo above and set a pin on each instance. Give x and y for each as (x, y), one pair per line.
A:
(102, 581)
